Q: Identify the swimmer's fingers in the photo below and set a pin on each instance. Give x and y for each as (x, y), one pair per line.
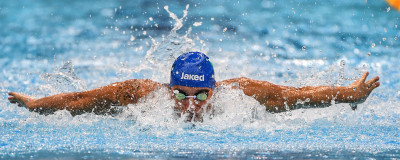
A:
(372, 81)
(12, 100)
(373, 86)
(364, 77)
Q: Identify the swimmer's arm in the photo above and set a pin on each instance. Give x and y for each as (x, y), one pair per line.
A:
(120, 93)
(281, 98)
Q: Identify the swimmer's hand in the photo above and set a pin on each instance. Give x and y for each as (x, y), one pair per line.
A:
(360, 89)
(20, 99)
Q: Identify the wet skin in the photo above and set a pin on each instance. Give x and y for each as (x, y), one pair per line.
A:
(276, 98)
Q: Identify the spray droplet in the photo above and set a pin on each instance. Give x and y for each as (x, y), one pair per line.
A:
(373, 45)
(196, 24)
(354, 88)
(384, 39)
(369, 53)
(388, 9)
(151, 18)
(303, 48)
(225, 29)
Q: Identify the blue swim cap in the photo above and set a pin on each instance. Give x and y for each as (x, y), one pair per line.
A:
(192, 69)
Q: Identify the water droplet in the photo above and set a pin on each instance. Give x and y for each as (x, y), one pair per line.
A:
(373, 45)
(151, 18)
(225, 29)
(303, 48)
(356, 50)
(354, 88)
(388, 9)
(196, 24)
(384, 39)
(132, 38)
(369, 53)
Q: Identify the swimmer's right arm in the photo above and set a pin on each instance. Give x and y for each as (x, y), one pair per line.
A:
(119, 94)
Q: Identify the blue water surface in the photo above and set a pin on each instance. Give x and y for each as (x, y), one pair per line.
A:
(50, 47)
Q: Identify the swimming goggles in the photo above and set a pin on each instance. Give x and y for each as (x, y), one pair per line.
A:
(200, 96)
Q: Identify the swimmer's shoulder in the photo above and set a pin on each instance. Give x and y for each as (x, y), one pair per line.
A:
(142, 86)
(130, 91)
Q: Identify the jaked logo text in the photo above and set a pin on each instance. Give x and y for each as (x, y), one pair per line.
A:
(192, 77)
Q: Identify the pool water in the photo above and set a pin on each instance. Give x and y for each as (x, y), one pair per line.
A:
(50, 47)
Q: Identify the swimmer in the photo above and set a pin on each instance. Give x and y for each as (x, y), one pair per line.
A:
(192, 85)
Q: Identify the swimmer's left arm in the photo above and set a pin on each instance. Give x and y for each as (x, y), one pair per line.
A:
(323, 95)
(277, 98)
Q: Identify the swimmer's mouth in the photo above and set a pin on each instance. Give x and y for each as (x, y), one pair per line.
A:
(189, 117)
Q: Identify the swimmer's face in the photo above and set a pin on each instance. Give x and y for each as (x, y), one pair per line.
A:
(191, 105)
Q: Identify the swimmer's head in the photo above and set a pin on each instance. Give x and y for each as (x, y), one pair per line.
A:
(193, 69)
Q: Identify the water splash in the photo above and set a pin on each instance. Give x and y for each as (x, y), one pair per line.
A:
(164, 51)
(239, 123)
(341, 73)
(178, 21)
(62, 79)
